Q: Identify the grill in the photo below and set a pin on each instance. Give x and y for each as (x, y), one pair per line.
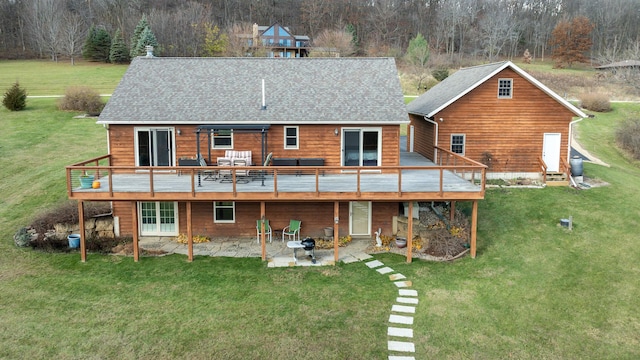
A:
(309, 246)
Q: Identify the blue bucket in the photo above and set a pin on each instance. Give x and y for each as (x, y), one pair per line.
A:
(74, 241)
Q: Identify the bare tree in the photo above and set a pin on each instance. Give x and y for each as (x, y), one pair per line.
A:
(72, 35)
(333, 41)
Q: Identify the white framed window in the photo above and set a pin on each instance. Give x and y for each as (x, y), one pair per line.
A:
(457, 143)
(505, 88)
(291, 137)
(224, 212)
(222, 139)
(158, 218)
(154, 146)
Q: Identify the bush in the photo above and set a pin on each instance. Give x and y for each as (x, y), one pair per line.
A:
(595, 102)
(628, 137)
(440, 74)
(15, 99)
(82, 98)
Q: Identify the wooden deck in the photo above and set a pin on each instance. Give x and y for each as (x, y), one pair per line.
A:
(415, 179)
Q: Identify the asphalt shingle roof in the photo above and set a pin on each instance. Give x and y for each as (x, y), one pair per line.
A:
(229, 91)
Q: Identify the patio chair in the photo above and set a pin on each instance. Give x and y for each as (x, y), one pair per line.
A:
(208, 174)
(224, 170)
(267, 230)
(292, 231)
(242, 176)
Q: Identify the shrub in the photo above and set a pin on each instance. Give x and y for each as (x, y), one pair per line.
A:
(440, 74)
(82, 98)
(595, 102)
(628, 137)
(15, 99)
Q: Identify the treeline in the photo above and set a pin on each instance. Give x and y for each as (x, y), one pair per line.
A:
(454, 29)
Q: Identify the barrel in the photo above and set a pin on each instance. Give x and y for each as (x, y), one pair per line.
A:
(576, 166)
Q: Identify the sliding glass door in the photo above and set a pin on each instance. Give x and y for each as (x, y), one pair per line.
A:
(154, 147)
(361, 147)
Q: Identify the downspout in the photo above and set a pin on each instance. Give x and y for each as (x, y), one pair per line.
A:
(435, 150)
(573, 182)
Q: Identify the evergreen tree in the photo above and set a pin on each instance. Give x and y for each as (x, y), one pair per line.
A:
(15, 99)
(119, 53)
(97, 45)
(142, 24)
(146, 38)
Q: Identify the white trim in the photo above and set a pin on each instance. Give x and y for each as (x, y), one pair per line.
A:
(464, 144)
(369, 211)
(361, 130)
(233, 207)
(172, 134)
(213, 143)
(510, 88)
(284, 128)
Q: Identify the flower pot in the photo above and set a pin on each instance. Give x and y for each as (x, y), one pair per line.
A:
(86, 181)
(328, 231)
(74, 241)
(401, 242)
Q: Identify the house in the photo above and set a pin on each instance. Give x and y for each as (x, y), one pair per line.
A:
(498, 115)
(319, 137)
(278, 41)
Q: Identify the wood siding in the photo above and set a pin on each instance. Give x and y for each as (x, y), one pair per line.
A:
(510, 130)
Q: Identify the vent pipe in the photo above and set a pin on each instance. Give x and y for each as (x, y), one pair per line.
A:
(149, 49)
(264, 102)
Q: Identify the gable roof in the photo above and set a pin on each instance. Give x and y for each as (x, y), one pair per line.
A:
(156, 90)
(464, 80)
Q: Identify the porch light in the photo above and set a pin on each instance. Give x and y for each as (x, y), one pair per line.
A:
(335, 131)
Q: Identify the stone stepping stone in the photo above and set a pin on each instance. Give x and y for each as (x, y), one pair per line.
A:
(374, 264)
(408, 292)
(401, 319)
(402, 284)
(385, 270)
(402, 346)
(406, 300)
(397, 277)
(404, 309)
(394, 357)
(400, 332)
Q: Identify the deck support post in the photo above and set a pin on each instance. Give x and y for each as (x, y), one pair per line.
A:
(336, 230)
(452, 211)
(263, 245)
(410, 233)
(474, 228)
(189, 233)
(134, 230)
(83, 246)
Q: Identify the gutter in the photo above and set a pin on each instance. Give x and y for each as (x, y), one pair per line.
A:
(435, 150)
(573, 182)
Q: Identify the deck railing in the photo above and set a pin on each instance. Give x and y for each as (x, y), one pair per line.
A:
(452, 173)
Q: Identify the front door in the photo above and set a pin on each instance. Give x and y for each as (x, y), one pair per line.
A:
(551, 151)
(154, 147)
(360, 218)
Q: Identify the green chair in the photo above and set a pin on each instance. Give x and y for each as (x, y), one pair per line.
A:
(267, 229)
(292, 231)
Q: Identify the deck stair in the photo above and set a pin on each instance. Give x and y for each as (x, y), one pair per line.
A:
(557, 179)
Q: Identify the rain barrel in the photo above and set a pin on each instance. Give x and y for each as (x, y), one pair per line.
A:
(576, 166)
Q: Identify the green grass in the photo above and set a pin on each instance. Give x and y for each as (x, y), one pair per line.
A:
(536, 290)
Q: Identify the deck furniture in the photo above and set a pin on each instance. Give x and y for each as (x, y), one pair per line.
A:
(187, 162)
(267, 230)
(224, 169)
(207, 174)
(292, 231)
(242, 176)
(311, 162)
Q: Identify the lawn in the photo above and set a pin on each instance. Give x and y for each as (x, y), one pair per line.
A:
(536, 290)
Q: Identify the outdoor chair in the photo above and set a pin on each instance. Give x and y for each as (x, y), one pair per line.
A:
(267, 230)
(224, 170)
(208, 174)
(242, 176)
(292, 231)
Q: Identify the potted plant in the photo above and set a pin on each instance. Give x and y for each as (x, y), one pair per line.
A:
(86, 181)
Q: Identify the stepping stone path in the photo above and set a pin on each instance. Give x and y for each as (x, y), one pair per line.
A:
(400, 330)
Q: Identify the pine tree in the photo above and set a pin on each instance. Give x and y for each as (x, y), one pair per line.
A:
(118, 54)
(97, 45)
(142, 24)
(15, 99)
(146, 38)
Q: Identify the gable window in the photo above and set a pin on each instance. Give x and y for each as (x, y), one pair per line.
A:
(505, 88)
(224, 212)
(457, 143)
(222, 139)
(290, 137)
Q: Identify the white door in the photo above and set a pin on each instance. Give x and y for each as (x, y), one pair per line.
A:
(158, 218)
(360, 218)
(551, 151)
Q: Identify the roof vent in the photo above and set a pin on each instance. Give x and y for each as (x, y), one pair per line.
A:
(264, 102)
(149, 49)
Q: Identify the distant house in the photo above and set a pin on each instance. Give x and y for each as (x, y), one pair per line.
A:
(620, 65)
(278, 41)
(498, 115)
(319, 137)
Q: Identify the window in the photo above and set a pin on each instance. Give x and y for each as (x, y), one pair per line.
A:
(290, 137)
(361, 147)
(505, 88)
(457, 143)
(222, 139)
(224, 212)
(154, 147)
(158, 218)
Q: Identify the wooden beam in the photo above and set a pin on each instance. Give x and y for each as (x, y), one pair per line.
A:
(83, 247)
(452, 211)
(410, 233)
(336, 230)
(474, 228)
(134, 225)
(263, 243)
(189, 233)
